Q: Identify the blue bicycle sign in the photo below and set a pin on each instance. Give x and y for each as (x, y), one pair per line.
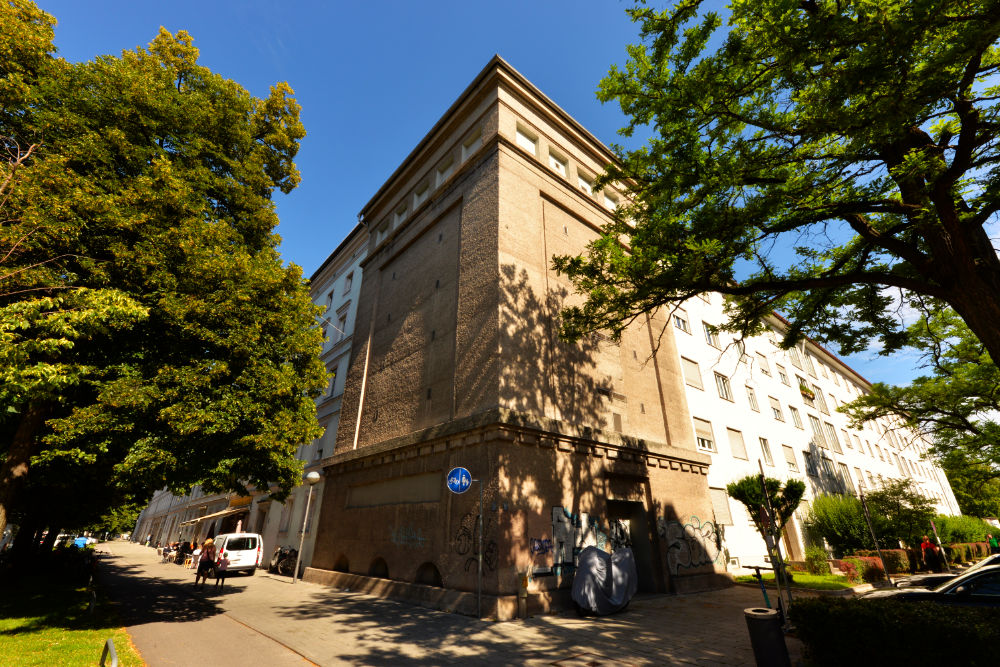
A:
(459, 480)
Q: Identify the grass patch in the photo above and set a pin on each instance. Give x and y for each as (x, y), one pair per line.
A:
(819, 582)
(46, 622)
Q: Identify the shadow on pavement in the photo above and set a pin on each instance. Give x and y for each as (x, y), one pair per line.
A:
(142, 599)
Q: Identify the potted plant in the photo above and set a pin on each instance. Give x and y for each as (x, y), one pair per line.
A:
(807, 392)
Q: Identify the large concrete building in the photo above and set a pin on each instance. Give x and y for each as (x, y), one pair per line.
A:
(754, 406)
(457, 363)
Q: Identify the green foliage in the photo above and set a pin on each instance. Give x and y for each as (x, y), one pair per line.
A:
(833, 629)
(784, 499)
(861, 134)
(896, 561)
(145, 313)
(816, 560)
(840, 521)
(954, 406)
(963, 528)
(898, 513)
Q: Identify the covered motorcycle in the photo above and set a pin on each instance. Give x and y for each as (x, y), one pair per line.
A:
(604, 583)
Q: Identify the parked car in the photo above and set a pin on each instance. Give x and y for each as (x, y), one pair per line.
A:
(980, 588)
(938, 578)
(242, 549)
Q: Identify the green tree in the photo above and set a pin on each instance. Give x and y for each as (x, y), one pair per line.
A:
(784, 499)
(862, 134)
(899, 513)
(840, 520)
(155, 335)
(954, 406)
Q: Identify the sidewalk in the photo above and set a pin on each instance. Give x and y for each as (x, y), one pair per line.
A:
(332, 627)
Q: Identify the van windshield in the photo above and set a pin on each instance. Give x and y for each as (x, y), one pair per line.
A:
(241, 543)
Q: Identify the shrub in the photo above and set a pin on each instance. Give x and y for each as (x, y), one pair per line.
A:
(866, 569)
(816, 560)
(896, 560)
(850, 570)
(798, 566)
(958, 553)
(888, 630)
(962, 529)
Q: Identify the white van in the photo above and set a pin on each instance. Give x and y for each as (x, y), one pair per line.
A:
(242, 549)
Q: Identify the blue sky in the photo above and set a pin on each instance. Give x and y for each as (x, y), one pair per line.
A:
(373, 77)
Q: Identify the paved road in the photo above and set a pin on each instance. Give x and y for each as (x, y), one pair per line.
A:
(266, 620)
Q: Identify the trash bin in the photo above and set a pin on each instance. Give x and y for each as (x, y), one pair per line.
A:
(766, 637)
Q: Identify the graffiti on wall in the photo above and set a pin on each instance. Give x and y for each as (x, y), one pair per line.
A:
(466, 542)
(407, 536)
(690, 544)
(571, 534)
(539, 545)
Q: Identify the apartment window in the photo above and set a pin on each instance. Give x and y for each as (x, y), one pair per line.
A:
(765, 449)
(711, 336)
(817, 430)
(444, 172)
(558, 164)
(703, 435)
(810, 464)
(472, 144)
(820, 401)
(833, 401)
(793, 354)
(720, 504)
(585, 183)
(420, 196)
(348, 282)
(765, 368)
(286, 515)
(681, 321)
(790, 458)
(736, 444)
(879, 450)
(616, 420)
(847, 438)
(381, 233)
(828, 467)
(796, 419)
(870, 452)
(782, 375)
(341, 328)
(329, 298)
(899, 465)
(861, 478)
(722, 385)
(871, 479)
(752, 398)
(809, 364)
(610, 201)
(692, 374)
(808, 395)
(831, 437)
(776, 409)
(527, 141)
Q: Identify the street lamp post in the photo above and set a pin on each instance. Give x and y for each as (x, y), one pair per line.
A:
(311, 479)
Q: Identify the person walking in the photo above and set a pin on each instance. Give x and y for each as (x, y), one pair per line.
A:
(206, 564)
(994, 543)
(932, 559)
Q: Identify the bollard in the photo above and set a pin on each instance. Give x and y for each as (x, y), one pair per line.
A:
(766, 637)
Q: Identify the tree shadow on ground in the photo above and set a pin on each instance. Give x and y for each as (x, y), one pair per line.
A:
(143, 599)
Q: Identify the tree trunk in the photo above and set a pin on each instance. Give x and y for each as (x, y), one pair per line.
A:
(977, 301)
(14, 471)
(24, 542)
(45, 550)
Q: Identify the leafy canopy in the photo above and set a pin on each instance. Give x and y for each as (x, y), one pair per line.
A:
(150, 335)
(784, 499)
(828, 160)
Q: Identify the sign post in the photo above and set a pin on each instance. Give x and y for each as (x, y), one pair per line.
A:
(458, 481)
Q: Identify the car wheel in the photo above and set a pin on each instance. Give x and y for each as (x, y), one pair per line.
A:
(252, 571)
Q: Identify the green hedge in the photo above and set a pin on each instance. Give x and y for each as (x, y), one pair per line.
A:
(896, 560)
(867, 569)
(838, 632)
(816, 560)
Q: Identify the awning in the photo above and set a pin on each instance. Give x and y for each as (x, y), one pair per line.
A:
(224, 512)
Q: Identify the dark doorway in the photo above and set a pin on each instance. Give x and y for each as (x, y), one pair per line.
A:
(630, 527)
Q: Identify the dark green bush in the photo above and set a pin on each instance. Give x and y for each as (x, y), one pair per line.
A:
(838, 632)
(816, 560)
(961, 529)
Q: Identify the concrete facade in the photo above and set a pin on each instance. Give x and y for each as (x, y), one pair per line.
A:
(748, 400)
(457, 363)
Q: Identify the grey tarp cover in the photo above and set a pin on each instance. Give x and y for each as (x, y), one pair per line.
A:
(604, 583)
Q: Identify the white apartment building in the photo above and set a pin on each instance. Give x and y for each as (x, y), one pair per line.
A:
(757, 404)
(168, 518)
